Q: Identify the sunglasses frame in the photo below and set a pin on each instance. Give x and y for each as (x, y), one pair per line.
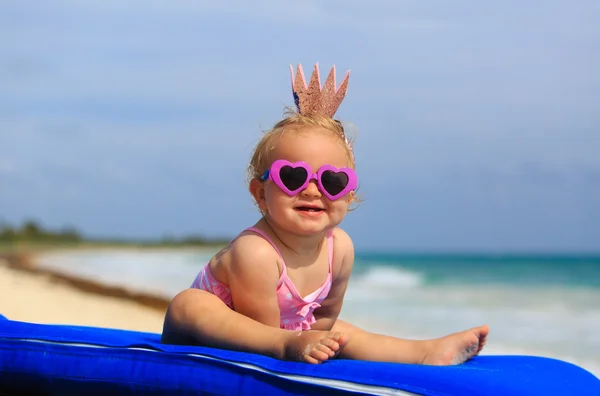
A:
(273, 174)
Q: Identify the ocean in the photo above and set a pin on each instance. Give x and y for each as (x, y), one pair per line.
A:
(534, 304)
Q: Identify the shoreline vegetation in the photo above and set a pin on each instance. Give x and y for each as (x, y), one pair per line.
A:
(19, 246)
(31, 236)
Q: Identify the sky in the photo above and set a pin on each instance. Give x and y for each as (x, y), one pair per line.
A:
(477, 124)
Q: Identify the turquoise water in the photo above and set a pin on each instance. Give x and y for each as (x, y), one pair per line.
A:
(534, 304)
(523, 270)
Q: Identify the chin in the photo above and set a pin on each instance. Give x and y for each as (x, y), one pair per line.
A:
(304, 229)
(312, 229)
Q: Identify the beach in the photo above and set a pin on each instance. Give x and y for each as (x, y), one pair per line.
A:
(535, 305)
(41, 297)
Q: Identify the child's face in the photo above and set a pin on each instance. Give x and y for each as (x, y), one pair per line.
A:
(316, 147)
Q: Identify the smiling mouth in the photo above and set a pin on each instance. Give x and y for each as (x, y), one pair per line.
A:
(309, 209)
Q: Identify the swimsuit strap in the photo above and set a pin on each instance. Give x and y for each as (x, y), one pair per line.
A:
(330, 248)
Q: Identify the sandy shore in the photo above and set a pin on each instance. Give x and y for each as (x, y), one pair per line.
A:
(32, 295)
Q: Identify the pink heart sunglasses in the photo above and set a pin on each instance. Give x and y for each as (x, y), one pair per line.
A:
(291, 178)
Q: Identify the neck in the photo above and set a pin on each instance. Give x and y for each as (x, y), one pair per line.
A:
(298, 244)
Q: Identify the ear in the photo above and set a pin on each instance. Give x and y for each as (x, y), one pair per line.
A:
(257, 189)
(351, 195)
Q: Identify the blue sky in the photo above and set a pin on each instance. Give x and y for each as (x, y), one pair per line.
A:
(477, 123)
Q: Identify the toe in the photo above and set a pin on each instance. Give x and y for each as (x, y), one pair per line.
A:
(326, 350)
(330, 344)
(340, 338)
(310, 359)
(318, 355)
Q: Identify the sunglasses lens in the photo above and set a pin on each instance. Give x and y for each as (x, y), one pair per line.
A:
(334, 182)
(293, 178)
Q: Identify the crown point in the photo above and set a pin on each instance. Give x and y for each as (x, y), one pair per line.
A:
(311, 98)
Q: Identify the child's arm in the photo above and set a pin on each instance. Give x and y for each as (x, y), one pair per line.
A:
(327, 314)
(253, 273)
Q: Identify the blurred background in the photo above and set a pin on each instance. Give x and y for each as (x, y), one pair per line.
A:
(477, 140)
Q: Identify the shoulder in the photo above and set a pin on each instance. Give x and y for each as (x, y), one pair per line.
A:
(251, 252)
(342, 241)
(343, 253)
(251, 242)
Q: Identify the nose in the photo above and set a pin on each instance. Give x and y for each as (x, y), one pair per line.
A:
(312, 190)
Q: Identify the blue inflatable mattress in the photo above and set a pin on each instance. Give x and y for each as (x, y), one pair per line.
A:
(76, 360)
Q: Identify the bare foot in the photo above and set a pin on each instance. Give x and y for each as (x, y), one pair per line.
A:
(456, 348)
(313, 346)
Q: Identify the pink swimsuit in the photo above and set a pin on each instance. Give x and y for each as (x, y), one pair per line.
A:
(296, 312)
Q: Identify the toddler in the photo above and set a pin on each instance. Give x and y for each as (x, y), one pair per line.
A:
(277, 289)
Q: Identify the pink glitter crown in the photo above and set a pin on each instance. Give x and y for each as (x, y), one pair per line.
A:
(312, 99)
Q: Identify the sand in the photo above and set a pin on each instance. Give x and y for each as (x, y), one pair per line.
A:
(39, 297)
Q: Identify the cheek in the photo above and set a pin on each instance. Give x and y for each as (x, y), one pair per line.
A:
(274, 196)
(341, 205)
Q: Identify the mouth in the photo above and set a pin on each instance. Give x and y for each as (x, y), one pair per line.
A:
(309, 209)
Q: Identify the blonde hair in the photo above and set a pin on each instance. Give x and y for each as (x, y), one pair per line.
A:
(295, 122)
